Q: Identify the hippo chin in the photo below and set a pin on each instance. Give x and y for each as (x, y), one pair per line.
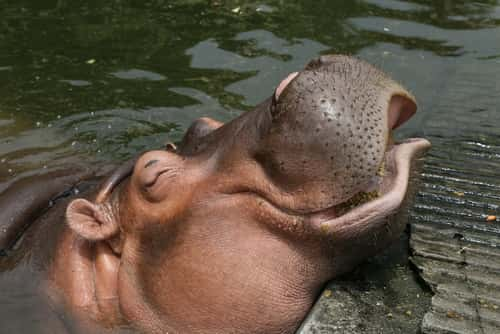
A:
(238, 228)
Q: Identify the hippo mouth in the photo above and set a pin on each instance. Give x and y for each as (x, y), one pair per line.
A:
(383, 194)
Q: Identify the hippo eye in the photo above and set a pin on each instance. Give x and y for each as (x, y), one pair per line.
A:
(150, 163)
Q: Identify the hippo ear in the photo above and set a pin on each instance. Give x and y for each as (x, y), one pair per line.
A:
(91, 221)
(402, 107)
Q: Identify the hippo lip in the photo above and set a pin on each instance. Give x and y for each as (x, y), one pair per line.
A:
(392, 189)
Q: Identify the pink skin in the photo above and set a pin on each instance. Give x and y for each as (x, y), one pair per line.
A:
(284, 83)
(207, 240)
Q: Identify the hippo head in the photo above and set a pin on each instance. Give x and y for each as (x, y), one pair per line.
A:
(252, 217)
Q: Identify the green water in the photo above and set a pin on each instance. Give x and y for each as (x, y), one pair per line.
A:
(84, 81)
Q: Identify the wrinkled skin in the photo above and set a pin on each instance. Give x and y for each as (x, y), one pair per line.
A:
(238, 229)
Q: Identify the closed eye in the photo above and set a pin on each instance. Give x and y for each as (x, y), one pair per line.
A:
(158, 174)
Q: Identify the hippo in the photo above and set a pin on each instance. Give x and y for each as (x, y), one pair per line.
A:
(236, 228)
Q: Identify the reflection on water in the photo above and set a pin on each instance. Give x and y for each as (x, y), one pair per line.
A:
(279, 58)
(135, 74)
(88, 81)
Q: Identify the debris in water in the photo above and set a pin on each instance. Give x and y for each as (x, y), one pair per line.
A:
(491, 218)
(328, 293)
(90, 61)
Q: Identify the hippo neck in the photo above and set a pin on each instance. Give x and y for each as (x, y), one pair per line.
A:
(249, 290)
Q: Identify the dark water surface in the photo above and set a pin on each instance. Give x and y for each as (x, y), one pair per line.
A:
(100, 81)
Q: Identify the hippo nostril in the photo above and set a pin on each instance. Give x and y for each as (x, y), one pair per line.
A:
(275, 109)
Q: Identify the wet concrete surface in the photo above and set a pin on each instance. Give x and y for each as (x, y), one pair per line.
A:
(383, 295)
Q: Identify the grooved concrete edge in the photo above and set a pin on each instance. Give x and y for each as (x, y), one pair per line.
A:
(465, 277)
(383, 295)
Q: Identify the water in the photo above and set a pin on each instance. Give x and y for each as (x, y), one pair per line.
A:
(84, 81)
(104, 81)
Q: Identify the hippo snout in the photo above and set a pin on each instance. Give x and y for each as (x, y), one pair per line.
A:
(331, 126)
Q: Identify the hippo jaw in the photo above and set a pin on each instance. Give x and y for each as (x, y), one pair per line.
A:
(322, 137)
(390, 187)
(363, 213)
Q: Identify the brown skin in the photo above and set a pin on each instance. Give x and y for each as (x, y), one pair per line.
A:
(238, 229)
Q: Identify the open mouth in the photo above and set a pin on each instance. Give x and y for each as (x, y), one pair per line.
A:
(377, 186)
(385, 192)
